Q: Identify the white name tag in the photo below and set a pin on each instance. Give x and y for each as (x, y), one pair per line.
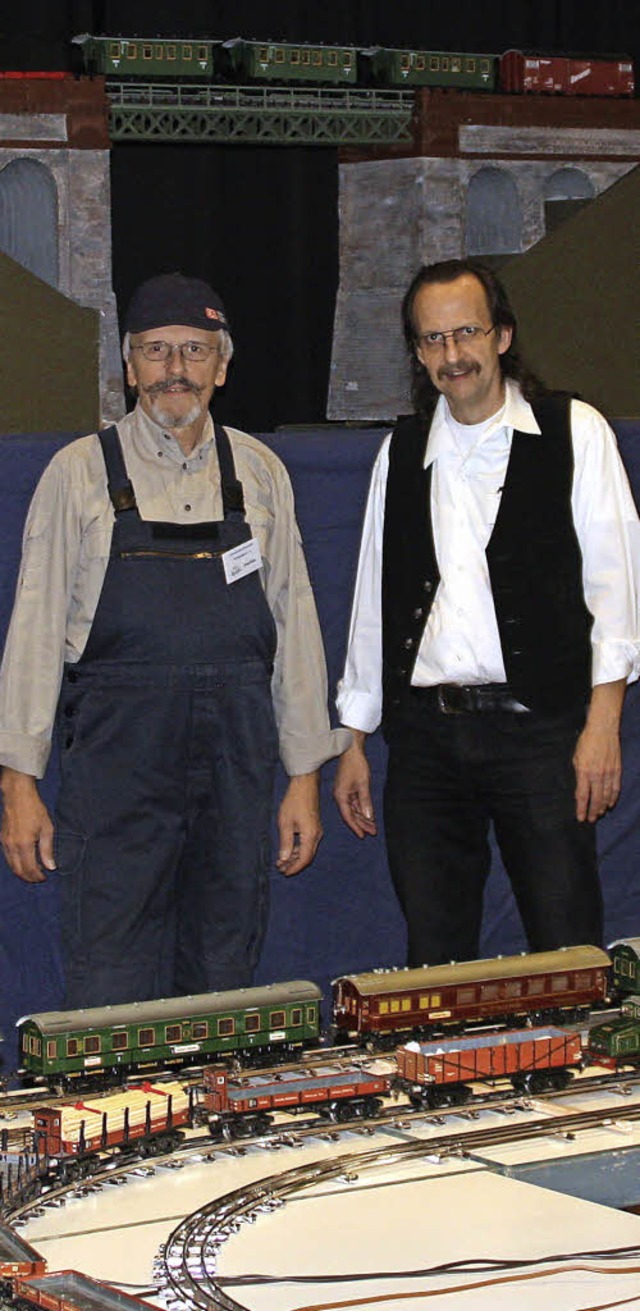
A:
(241, 560)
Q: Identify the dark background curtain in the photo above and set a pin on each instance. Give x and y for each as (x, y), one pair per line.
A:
(261, 223)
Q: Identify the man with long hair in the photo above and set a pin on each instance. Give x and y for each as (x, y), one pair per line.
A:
(494, 630)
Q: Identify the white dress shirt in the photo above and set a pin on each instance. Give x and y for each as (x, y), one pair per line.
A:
(461, 643)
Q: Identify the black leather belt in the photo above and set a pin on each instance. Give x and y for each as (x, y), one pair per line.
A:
(473, 699)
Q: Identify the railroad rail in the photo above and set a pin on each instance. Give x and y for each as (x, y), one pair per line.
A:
(258, 115)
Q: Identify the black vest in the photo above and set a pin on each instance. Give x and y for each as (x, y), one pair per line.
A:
(534, 560)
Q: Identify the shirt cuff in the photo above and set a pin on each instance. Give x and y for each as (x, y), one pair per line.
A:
(613, 660)
(359, 710)
(304, 755)
(28, 755)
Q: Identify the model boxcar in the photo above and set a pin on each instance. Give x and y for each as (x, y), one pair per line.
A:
(68, 1290)
(76, 1129)
(57, 1046)
(240, 1104)
(434, 1073)
(382, 1003)
(566, 75)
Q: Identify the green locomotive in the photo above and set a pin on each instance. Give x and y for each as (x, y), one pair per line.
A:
(67, 1046)
(618, 1040)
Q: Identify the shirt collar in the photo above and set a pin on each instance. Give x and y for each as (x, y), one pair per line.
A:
(517, 415)
(154, 437)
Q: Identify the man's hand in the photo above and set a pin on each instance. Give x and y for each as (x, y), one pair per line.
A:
(26, 833)
(597, 759)
(299, 824)
(352, 788)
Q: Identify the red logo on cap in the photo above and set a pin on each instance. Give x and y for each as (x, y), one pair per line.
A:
(212, 314)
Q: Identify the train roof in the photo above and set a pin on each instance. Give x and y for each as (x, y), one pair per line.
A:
(476, 971)
(633, 943)
(173, 1008)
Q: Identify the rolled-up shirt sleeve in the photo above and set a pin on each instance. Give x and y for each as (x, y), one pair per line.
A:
(607, 527)
(359, 698)
(35, 647)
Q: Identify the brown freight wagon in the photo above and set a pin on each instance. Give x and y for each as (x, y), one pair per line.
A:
(243, 1101)
(78, 1128)
(532, 1059)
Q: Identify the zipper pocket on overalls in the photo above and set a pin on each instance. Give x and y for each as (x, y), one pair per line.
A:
(172, 555)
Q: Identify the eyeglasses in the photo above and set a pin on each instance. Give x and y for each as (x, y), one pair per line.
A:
(192, 352)
(468, 333)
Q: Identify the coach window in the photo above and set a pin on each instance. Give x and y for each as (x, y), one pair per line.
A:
(120, 1041)
(333, 59)
(187, 52)
(470, 65)
(420, 63)
(406, 1003)
(114, 50)
(52, 1050)
(383, 1008)
(434, 64)
(559, 983)
(92, 1045)
(202, 54)
(171, 52)
(277, 1020)
(147, 52)
(489, 992)
(159, 52)
(312, 1015)
(252, 1023)
(146, 1037)
(35, 1046)
(456, 66)
(424, 1003)
(72, 1046)
(317, 58)
(485, 67)
(279, 56)
(513, 988)
(306, 57)
(394, 1005)
(173, 1032)
(582, 979)
(465, 996)
(226, 1028)
(405, 63)
(296, 1016)
(445, 65)
(535, 987)
(200, 1029)
(295, 57)
(131, 50)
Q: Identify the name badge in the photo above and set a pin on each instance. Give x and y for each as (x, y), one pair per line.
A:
(241, 560)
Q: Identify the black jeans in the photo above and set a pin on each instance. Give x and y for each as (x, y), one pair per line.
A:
(449, 776)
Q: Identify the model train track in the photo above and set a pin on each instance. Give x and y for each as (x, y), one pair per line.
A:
(189, 1260)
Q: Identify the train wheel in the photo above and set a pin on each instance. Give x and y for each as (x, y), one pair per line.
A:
(371, 1107)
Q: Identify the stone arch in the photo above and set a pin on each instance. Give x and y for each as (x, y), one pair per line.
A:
(29, 217)
(493, 213)
(565, 192)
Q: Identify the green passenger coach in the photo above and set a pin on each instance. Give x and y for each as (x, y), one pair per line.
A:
(471, 72)
(285, 62)
(147, 57)
(64, 1046)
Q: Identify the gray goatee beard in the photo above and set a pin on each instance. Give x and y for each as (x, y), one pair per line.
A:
(165, 419)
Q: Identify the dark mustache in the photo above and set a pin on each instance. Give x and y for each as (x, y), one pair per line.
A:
(157, 388)
(447, 369)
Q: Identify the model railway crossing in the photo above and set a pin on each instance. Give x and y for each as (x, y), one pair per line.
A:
(258, 115)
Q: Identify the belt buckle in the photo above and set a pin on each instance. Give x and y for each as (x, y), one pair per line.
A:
(444, 704)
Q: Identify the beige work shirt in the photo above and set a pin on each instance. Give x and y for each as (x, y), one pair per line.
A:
(66, 546)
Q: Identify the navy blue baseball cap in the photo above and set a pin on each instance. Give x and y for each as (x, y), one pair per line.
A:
(173, 299)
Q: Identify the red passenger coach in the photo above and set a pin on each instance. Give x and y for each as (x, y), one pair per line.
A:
(539, 985)
(564, 75)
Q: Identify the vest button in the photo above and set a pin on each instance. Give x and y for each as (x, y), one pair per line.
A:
(408, 643)
(427, 585)
(418, 612)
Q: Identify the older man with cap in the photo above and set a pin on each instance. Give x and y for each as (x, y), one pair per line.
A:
(164, 618)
